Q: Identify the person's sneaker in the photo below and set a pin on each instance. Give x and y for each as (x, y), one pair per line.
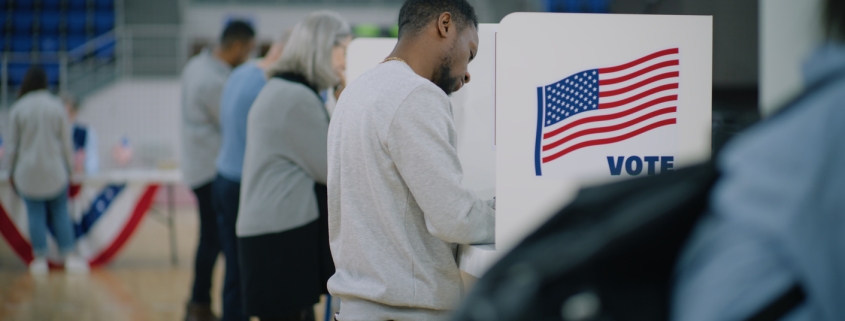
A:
(38, 266)
(76, 264)
(200, 312)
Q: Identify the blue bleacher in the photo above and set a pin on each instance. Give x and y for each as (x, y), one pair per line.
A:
(49, 44)
(50, 4)
(16, 72)
(22, 21)
(77, 4)
(76, 22)
(106, 51)
(104, 4)
(52, 71)
(2, 41)
(21, 43)
(24, 4)
(103, 22)
(74, 41)
(50, 22)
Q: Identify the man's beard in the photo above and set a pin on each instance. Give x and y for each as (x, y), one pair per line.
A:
(443, 78)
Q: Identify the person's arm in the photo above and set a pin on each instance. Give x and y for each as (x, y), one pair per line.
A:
(210, 100)
(306, 128)
(419, 142)
(12, 144)
(92, 156)
(67, 143)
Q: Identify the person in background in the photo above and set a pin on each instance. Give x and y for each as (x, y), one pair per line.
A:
(85, 149)
(239, 92)
(777, 212)
(202, 83)
(41, 159)
(397, 208)
(282, 224)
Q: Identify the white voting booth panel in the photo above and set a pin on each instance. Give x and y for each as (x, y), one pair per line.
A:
(584, 99)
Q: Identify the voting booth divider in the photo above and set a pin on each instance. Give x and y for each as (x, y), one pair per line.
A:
(557, 102)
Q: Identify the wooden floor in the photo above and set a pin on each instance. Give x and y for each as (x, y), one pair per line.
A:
(139, 285)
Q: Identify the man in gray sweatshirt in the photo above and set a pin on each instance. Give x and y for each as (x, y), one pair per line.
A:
(202, 84)
(396, 205)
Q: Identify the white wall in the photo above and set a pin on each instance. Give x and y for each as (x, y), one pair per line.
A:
(206, 21)
(146, 111)
(789, 30)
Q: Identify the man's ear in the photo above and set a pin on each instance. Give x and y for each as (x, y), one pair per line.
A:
(445, 25)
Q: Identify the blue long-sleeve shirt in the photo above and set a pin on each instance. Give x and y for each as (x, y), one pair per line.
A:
(239, 93)
(777, 214)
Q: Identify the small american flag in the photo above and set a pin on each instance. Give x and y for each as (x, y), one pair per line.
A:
(606, 105)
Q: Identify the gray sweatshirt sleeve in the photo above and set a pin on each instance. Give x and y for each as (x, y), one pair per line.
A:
(421, 142)
(67, 142)
(211, 102)
(307, 127)
(12, 142)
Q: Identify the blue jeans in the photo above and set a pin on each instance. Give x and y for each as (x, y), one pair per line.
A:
(37, 211)
(226, 195)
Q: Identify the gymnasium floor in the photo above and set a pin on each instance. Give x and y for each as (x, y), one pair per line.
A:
(140, 284)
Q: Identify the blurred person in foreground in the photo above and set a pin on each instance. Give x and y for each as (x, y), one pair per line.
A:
(241, 88)
(85, 148)
(202, 83)
(777, 217)
(41, 160)
(396, 205)
(282, 224)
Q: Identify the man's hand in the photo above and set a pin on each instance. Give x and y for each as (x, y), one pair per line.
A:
(340, 87)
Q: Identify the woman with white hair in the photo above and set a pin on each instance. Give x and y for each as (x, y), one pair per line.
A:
(282, 224)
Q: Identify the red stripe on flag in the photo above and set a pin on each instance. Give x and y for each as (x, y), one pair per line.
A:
(20, 245)
(607, 129)
(641, 72)
(141, 208)
(610, 140)
(639, 96)
(640, 84)
(640, 61)
(610, 116)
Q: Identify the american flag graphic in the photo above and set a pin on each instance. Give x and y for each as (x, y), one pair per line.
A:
(606, 105)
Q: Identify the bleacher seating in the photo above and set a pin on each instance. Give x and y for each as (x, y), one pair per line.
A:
(76, 22)
(22, 43)
(22, 21)
(49, 22)
(49, 44)
(33, 31)
(50, 4)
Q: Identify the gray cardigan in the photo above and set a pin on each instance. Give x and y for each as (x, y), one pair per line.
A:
(285, 155)
(39, 145)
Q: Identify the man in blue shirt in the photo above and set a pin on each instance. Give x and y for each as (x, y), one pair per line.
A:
(240, 90)
(776, 216)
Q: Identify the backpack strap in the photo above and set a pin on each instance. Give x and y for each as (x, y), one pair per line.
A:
(781, 306)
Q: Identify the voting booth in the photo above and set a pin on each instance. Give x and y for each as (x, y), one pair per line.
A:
(583, 99)
(561, 101)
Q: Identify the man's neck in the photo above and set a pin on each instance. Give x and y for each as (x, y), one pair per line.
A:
(223, 56)
(417, 56)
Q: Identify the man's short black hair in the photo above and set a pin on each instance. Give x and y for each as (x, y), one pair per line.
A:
(834, 19)
(416, 14)
(237, 30)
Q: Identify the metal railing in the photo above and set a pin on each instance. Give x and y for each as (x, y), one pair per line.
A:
(79, 70)
(156, 50)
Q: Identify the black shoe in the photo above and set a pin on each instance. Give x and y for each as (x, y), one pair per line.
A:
(200, 312)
